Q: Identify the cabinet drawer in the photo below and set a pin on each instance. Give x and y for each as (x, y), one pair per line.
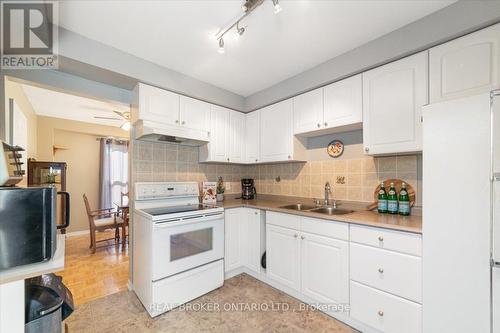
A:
(399, 274)
(325, 228)
(403, 242)
(384, 312)
(283, 220)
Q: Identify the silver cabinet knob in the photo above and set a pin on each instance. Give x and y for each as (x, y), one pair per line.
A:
(183, 122)
(295, 236)
(289, 157)
(381, 270)
(380, 238)
(208, 133)
(367, 149)
(381, 313)
(256, 213)
(302, 237)
(228, 159)
(319, 125)
(177, 121)
(326, 124)
(256, 160)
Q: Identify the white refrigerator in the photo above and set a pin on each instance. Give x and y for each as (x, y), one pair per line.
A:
(461, 215)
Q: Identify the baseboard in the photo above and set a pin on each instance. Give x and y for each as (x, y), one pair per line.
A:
(77, 233)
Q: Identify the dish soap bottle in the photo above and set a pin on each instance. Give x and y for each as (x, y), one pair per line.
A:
(392, 200)
(382, 199)
(404, 201)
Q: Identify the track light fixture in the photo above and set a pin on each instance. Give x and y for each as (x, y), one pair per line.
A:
(247, 7)
(239, 32)
(277, 7)
(221, 45)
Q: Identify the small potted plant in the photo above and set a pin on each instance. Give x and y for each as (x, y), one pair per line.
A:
(220, 189)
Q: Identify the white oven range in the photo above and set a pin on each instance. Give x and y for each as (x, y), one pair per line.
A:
(178, 245)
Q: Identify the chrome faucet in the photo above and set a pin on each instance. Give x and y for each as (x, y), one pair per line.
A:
(328, 191)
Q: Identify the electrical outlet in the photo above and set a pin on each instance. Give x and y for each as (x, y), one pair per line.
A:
(228, 186)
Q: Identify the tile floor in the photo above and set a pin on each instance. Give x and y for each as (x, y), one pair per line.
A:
(123, 312)
(91, 276)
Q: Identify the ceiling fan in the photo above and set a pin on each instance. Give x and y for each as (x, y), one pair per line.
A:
(122, 116)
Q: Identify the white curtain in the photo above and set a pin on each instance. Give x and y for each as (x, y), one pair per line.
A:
(113, 172)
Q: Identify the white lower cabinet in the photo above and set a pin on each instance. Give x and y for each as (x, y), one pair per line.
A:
(233, 235)
(324, 268)
(397, 273)
(283, 256)
(244, 239)
(315, 265)
(383, 311)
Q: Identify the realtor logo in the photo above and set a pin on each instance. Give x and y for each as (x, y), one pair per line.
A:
(29, 34)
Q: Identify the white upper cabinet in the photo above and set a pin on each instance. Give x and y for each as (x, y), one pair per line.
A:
(343, 103)
(252, 137)
(194, 114)
(156, 105)
(465, 66)
(308, 111)
(236, 137)
(217, 148)
(276, 137)
(393, 96)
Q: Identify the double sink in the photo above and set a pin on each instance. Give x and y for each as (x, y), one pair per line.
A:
(326, 210)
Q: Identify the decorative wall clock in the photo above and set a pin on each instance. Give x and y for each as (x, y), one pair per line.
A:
(335, 148)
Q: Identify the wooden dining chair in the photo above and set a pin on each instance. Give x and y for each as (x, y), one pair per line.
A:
(101, 220)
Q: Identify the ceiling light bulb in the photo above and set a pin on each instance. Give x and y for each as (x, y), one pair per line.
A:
(125, 126)
(277, 7)
(239, 32)
(221, 45)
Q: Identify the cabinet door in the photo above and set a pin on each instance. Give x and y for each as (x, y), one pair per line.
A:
(465, 66)
(325, 269)
(276, 132)
(252, 239)
(158, 105)
(219, 134)
(234, 220)
(496, 299)
(308, 111)
(237, 137)
(194, 114)
(343, 103)
(392, 99)
(283, 254)
(252, 137)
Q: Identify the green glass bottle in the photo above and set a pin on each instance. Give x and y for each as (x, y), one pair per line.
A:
(392, 200)
(382, 199)
(404, 201)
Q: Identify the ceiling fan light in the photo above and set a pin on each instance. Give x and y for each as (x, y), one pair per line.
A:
(221, 46)
(125, 126)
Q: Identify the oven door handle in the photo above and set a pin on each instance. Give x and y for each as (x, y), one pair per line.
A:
(188, 220)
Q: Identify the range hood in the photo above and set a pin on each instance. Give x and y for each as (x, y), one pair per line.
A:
(172, 134)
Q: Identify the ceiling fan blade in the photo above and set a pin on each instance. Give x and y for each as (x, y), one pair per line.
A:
(125, 115)
(108, 118)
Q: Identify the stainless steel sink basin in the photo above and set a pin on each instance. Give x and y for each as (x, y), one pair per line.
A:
(298, 207)
(331, 211)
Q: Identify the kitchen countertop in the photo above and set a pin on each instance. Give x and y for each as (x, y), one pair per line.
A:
(411, 223)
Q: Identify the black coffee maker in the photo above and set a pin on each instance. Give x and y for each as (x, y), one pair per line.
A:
(247, 189)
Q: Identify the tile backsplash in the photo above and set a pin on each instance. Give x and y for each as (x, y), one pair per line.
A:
(352, 179)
